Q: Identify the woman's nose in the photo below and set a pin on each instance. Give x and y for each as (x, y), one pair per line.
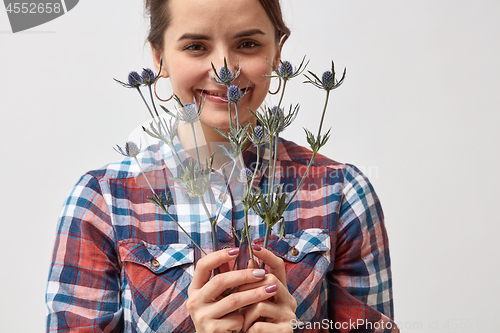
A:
(229, 59)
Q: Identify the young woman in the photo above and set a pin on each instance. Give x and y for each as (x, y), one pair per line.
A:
(120, 265)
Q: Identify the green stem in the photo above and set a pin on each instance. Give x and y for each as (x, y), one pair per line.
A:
(225, 191)
(266, 241)
(195, 144)
(237, 116)
(213, 223)
(282, 93)
(248, 237)
(147, 105)
(323, 114)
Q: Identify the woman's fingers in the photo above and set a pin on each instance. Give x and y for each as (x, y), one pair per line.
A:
(275, 264)
(222, 282)
(230, 322)
(276, 317)
(239, 300)
(208, 263)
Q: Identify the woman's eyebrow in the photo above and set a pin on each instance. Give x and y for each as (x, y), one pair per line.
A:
(248, 33)
(194, 37)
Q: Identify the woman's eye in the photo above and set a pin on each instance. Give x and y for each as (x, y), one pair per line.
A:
(194, 47)
(249, 45)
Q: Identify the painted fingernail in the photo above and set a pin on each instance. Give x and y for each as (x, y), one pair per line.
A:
(258, 273)
(256, 247)
(233, 252)
(271, 288)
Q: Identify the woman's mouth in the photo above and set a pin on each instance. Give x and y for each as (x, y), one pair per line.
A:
(218, 96)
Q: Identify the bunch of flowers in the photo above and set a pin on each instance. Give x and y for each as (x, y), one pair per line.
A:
(194, 177)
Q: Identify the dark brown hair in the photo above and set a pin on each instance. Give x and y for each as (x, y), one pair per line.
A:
(159, 17)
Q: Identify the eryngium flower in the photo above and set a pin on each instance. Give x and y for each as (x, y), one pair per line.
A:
(224, 77)
(190, 112)
(259, 136)
(286, 71)
(148, 76)
(275, 121)
(134, 79)
(328, 81)
(131, 149)
(245, 175)
(233, 94)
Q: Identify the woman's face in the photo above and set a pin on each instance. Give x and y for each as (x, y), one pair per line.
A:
(202, 32)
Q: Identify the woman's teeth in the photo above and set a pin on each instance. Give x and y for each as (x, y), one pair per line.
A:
(214, 94)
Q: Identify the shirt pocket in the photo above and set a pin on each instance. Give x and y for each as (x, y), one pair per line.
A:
(295, 247)
(155, 281)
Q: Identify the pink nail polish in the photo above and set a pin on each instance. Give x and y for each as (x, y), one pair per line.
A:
(233, 251)
(256, 247)
(271, 288)
(259, 273)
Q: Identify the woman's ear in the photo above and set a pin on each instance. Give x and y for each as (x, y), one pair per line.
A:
(157, 60)
(277, 57)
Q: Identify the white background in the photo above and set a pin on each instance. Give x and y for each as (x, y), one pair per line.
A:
(418, 113)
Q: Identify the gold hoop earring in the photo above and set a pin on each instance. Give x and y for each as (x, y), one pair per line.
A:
(163, 100)
(279, 87)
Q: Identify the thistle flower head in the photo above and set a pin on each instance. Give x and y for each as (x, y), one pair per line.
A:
(234, 94)
(148, 76)
(285, 69)
(327, 82)
(260, 136)
(327, 79)
(134, 79)
(190, 112)
(245, 175)
(131, 149)
(224, 76)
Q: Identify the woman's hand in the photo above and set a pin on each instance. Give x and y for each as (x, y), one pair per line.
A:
(210, 311)
(278, 311)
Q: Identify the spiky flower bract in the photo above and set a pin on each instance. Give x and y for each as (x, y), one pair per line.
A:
(275, 120)
(328, 81)
(286, 71)
(131, 149)
(163, 131)
(195, 179)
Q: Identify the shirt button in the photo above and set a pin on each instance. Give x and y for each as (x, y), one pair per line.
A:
(221, 197)
(294, 252)
(155, 263)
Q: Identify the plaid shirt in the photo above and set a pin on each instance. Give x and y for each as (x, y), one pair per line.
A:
(121, 265)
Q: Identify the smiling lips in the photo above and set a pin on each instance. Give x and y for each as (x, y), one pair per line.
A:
(217, 96)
